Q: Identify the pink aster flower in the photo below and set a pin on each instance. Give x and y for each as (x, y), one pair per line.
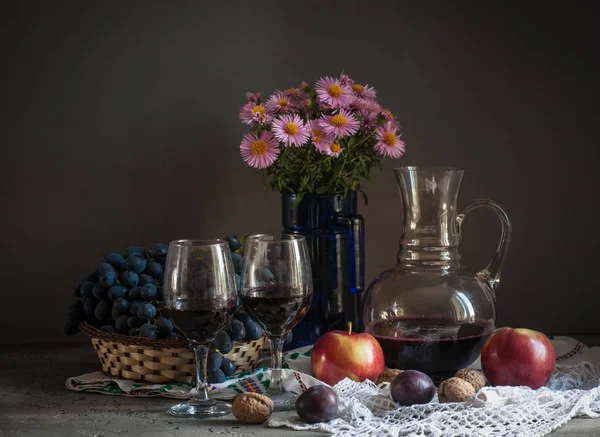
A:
(364, 91)
(332, 92)
(291, 130)
(320, 139)
(253, 113)
(279, 103)
(334, 149)
(296, 96)
(253, 97)
(345, 80)
(342, 124)
(259, 151)
(365, 107)
(388, 142)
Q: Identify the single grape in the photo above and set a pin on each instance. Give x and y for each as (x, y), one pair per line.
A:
(200, 281)
(228, 367)
(108, 278)
(154, 269)
(86, 289)
(77, 290)
(148, 331)
(134, 306)
(89, 306)
(89, 278)
(216, 377)
(131, 250)
(115, 260)
(174, 336)
(130, 279)
(121, 305)
(103, 309)
(118, 292)
(253, 331)
(102, 268)
(76, 315)
(213, 361)
(237, 330)
(412, 387)
(274, 252)
(77, 304)
(238, 261)
(223, 342)
(242, 315)
(71, 328)
(135, 322)
(121, 324)
(148, 292)
(146, 311)
(145, 279)
(115, 313)
(159, 251)
(279, 269)
(267, 275)
(99, 292)
(317, 404)
(288, 338)
(132, 332)
(164, 325)
(238, 282)
(234, 242)
(134, 293)
(136, 263)
(107, 328)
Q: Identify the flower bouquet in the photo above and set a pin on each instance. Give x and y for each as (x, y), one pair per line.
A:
(319, 139)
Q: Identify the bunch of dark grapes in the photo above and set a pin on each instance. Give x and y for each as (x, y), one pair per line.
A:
(123, 295)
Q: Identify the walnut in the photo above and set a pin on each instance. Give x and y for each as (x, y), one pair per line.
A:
(455, 390)
(388, 375)
(473, 377)
(252, 408)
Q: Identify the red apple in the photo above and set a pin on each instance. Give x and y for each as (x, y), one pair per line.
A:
(343, 354)
(518, 357)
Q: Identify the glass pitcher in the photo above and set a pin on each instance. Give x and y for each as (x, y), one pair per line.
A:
(429, 312)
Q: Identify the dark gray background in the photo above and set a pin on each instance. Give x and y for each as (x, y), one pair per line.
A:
(121, 128)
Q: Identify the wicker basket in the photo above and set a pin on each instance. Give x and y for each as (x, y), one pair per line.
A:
(158, 361)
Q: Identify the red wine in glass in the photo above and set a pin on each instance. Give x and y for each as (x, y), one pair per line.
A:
(276, 308)
(200, 323)
(436, 346)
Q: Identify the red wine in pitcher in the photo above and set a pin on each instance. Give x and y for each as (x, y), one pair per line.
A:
(436, 346)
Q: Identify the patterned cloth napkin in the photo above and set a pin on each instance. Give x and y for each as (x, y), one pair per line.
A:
(295, 376)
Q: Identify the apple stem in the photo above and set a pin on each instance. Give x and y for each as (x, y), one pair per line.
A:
(349, 328)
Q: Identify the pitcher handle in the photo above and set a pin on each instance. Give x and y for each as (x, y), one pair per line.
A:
(355, 225)
(491, 273)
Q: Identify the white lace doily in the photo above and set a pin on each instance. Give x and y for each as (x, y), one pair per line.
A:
(367, 410)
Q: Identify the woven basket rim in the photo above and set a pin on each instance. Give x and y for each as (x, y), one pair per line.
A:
(114, 337)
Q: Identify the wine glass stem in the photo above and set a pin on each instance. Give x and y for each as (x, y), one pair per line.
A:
(276, 363)
(201, 354)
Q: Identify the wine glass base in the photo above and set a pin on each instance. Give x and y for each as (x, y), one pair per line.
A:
(282, 401)
(200, 410)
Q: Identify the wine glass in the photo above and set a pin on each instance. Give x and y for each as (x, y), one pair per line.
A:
(276, 292)
(199, 296)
